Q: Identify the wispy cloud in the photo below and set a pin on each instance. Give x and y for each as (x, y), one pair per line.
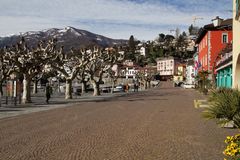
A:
(114, 18)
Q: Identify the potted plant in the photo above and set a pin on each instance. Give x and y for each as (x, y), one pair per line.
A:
(224, 106)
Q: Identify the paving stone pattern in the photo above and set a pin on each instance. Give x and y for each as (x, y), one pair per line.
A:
(160, 124)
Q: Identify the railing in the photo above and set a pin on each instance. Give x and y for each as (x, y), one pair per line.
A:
(224, 58)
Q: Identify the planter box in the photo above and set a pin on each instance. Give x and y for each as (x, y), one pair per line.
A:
(228, 125)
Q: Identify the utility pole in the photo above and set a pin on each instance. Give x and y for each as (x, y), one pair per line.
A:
(195, 18)
(177, 32)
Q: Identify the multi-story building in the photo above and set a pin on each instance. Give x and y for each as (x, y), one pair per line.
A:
(128, 70)
(141, 49)
(190, 72)
(236, 43)
(211, 40)
(166, 67)
(180, 74)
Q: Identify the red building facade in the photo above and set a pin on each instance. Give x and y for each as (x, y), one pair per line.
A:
(211, 40)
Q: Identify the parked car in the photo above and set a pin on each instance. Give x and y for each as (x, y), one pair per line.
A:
(188, 86)
(178, 84)
(106, 89)
(119, 88)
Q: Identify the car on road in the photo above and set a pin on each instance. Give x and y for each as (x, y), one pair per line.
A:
(119, 88)
(178, 84)
(106, 89)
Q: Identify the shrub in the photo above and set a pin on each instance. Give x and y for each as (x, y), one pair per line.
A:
(224, 106)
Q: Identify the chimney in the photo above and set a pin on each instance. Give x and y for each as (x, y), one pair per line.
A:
(217, 21)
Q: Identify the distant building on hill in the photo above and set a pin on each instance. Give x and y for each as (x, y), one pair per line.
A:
(167, 67)
(190, 72)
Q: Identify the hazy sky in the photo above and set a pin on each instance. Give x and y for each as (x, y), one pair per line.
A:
(144, 19)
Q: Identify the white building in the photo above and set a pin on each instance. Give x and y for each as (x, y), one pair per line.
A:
(130, 73)
(142, 51)
(167, 67)
(190, 71)
(128, 63)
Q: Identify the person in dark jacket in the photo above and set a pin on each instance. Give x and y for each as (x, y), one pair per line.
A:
(48, 93)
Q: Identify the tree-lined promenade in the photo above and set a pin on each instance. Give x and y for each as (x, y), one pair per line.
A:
(28, 63)
(156, 124)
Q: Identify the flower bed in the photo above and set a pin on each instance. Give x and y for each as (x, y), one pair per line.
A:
(232, 151)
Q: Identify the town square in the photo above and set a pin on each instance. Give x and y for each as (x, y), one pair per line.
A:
(120, 80)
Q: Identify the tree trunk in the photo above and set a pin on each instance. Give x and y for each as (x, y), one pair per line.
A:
(1, 88)
(59, 90)
(145, 84)
(96, 88)
(26, 97)
(113, 84)
(68, 91)
(35, 87)
(148, 84)
(1, 93)
(84, 87)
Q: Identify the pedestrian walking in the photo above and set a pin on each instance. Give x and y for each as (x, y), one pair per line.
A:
(48, 93)
(127, 87)
(137, 85)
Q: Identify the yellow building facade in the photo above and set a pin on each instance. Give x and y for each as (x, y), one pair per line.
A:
(236, 44)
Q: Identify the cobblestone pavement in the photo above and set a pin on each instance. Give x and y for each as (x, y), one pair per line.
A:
(57, 101)
(159, 124)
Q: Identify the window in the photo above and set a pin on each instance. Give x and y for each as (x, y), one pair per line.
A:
(224, 38)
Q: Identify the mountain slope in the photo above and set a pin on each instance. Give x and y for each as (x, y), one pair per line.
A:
(68, 37)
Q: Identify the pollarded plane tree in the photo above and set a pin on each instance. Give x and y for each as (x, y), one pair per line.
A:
(100, 61)
(49, 54)
(69, 65)
(6, 69)
(83, 78)
(114, 72)
(30, 62)
(146, 75)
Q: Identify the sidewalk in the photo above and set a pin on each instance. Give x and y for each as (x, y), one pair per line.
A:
(57, 101)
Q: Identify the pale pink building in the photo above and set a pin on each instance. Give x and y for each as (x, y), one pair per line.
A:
(167, 67)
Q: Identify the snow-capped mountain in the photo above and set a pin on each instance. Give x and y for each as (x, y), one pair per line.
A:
(68, 37)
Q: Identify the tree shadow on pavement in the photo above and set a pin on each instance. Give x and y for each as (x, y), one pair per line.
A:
(9, 110)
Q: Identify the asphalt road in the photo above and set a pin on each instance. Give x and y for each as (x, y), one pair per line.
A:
(160, 124)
